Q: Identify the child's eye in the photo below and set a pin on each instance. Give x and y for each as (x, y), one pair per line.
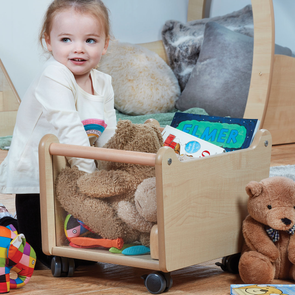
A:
(65, 40)
(91, 41)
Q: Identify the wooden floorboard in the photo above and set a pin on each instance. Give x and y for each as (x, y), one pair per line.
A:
(102, 278)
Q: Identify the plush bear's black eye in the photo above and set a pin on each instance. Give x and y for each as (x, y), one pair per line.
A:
(294, 207)
(269, 207)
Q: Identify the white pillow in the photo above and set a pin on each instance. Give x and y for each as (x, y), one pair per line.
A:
(143, 83)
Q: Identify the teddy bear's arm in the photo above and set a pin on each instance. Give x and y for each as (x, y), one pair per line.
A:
(104, 184)
(291, 249)
(257, 239)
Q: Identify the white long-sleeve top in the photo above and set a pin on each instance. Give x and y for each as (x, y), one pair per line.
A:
(55, 104)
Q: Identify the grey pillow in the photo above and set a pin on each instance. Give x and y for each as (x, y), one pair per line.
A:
(183, 42)
(220, 81)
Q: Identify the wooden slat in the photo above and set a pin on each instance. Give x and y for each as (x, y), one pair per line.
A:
(103, 154)
(196, 9)
(263, 59)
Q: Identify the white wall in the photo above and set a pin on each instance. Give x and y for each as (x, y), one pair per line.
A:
(135, 21)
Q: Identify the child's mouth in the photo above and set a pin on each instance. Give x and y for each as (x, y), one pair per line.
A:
(78, 60)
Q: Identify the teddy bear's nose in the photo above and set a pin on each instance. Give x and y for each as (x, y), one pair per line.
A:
(286, 221)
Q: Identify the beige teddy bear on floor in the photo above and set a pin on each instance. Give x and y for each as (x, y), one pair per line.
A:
(94, 198)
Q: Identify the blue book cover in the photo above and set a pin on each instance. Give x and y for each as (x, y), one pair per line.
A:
(228, 133)
(267, 289)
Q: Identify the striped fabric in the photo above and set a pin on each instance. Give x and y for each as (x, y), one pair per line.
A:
(94, 127)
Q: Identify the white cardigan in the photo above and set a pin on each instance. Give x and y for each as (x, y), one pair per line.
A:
(54, 103)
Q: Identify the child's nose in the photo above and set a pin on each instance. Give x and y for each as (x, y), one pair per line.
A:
(79, 48)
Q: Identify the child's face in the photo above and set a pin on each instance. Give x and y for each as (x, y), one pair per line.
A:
(77, 41)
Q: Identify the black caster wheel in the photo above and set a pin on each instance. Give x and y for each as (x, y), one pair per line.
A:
(158, 282)
(230, 263)
(56, 266)
(62, 267)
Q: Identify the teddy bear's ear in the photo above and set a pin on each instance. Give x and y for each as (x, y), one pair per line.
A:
(158, 133)
(124, 133)
(254, 189)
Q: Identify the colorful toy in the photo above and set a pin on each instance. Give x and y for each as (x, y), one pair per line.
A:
(269, 249)
(93, 198)
(16, 255)
(81, 236)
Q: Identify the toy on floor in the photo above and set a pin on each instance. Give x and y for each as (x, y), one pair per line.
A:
(269, 249)
(16, 255)
(93, 198)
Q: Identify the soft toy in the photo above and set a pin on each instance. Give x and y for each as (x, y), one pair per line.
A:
(16, 255)
(143, 83)
(142, 213)
(93, 198)
(268, 230)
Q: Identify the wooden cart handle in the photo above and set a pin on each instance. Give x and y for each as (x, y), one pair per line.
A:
(104, 154)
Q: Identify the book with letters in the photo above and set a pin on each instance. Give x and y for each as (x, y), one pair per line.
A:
(186, 144)
(245, 289)
(228, 133)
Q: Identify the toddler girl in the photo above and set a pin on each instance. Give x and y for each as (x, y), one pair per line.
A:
(68, 97)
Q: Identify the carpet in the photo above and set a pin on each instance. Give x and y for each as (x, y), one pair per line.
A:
(286, 171)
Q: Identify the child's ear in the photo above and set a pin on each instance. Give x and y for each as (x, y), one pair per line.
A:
(47, 41)
(106, 45)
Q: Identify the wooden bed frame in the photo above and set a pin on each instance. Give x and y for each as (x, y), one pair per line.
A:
(272, 86)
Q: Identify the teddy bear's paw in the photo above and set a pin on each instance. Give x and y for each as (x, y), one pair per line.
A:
(104, 184)
(146, 200)
(128, 213)
(255, 268)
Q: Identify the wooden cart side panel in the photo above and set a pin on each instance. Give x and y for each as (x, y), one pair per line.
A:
(201, 203)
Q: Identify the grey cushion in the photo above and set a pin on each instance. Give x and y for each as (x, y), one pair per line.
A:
(220, 81)
(183, 42)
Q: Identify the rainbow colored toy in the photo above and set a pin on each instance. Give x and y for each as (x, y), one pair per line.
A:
(16, 255)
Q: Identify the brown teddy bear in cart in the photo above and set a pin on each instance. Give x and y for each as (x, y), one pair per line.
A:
(94, 198)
